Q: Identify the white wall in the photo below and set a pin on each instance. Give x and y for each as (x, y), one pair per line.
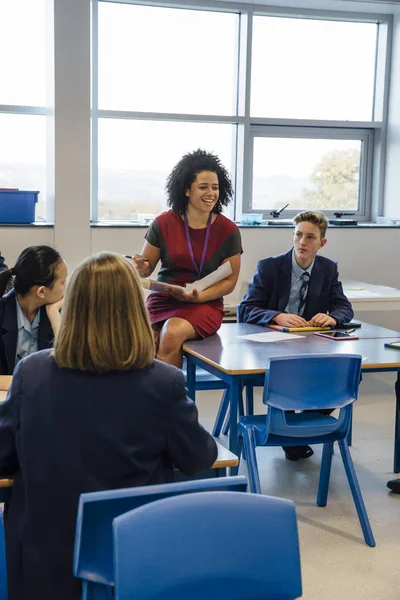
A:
(363, 254)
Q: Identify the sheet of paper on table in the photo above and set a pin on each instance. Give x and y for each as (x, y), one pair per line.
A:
(271, 336)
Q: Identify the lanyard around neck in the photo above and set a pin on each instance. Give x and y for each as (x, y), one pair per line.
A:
(198, 268)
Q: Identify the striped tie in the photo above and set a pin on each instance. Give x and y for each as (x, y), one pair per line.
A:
(303, 292)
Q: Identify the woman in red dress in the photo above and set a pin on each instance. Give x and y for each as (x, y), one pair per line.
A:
(191, 240)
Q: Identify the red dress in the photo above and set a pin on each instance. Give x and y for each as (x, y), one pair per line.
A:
(167, 232)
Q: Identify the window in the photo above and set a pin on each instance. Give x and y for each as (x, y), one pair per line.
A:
(163, 90)
(309, 173)
(135, 158)
(23, 98)
(166, 60)
(313, 69)
(293, 101)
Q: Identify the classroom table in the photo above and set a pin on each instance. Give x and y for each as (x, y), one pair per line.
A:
(371, 297)
(224, 461)
(237, 361)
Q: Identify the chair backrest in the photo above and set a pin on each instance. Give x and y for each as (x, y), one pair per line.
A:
(3, 564)
(93, 554)
(212, 546)
(312, 381)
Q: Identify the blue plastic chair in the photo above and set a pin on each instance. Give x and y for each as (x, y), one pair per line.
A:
(310, 383)
(3, 564)
(93, 554)
(186, 548)
(205, 380)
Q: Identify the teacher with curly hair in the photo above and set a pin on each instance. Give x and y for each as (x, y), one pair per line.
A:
(191, 240)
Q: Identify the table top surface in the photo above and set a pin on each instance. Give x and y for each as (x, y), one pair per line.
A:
(233, 355)
(361, 291)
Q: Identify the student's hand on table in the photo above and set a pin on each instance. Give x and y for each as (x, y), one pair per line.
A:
(54, 308)
(322, 320)
(183, 296)
(141, 265)
(285, 320)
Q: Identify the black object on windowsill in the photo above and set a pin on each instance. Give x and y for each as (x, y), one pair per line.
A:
(343, 222)
(277, 213)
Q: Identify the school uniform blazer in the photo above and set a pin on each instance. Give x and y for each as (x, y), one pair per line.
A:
(9, 332)
(268, 293)
(3, 265)
(66, 432)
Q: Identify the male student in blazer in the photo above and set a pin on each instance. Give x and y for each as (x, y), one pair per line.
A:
(277, 294)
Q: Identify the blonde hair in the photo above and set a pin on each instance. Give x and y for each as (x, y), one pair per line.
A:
(315, 217)
(104, 324)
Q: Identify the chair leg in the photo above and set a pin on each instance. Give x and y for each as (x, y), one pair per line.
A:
(227, 424)
(223, 409)
(356, 493)
(324, 475)
(249, 399)
(241, 452)
(350, 434)
(249, 444)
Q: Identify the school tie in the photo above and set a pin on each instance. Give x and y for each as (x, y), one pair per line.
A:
(303, 292)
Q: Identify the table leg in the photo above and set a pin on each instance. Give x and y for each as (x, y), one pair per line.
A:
(396, 466)
(235, 398)
(191, 377)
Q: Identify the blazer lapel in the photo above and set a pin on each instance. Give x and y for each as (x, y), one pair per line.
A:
(9, 331)
(284, 281)
(314, 291)
(45, 331)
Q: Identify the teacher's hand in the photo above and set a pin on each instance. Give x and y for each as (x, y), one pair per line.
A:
(183, 296)
(141, 265)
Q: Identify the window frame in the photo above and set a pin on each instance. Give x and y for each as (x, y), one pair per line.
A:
(373, 133)
(366, 136)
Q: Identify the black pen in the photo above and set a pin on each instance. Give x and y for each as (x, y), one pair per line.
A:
(139, 259)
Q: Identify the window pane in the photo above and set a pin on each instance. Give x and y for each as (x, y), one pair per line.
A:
(135, 158)
(23, 155)
(320, 174)
(22, 51)
(313, 69)
(166, 60)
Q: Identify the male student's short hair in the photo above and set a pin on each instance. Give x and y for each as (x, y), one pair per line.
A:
(104, 324)
(315, 217)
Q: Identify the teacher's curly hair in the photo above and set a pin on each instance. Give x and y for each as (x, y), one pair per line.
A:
(184, 173)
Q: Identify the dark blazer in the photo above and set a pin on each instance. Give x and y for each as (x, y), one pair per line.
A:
(3, 265)
(66, 432)
(268, 293)
(9, 332)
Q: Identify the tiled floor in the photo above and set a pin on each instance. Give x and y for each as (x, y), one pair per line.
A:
(336, 562)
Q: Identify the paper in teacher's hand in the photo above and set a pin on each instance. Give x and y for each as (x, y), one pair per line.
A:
(271, 336)
(159, 286)
(215, 277)
(202, 284)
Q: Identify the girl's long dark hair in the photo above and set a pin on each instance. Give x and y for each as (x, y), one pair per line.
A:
(36, 265)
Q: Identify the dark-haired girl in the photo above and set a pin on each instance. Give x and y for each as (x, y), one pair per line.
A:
(191, 240)
(29, 313)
